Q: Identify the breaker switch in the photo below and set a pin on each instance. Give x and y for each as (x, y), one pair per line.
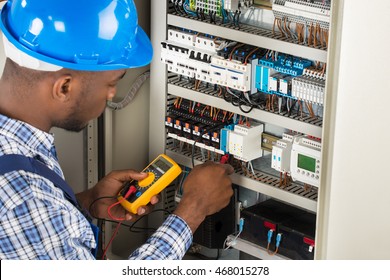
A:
(269, 225)
(309, 241)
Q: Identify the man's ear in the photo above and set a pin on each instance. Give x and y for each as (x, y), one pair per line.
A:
(62, 88)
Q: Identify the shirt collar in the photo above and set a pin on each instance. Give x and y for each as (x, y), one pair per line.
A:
(27, 135)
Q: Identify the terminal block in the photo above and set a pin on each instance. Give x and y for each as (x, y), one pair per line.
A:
(309, 88)
(302, 11)
(209, 6)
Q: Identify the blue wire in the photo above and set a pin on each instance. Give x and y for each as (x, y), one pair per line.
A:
(269, 236)
(241, 226)
(223, 10)
(278, 239)
(188, 10)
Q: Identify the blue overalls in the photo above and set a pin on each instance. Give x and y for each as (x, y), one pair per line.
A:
(12, 162)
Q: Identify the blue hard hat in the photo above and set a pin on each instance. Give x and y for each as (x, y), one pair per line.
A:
(91, 35)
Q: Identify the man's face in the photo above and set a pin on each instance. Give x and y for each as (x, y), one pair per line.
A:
(94, 91)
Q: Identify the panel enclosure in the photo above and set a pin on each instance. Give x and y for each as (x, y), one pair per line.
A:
(188, 69)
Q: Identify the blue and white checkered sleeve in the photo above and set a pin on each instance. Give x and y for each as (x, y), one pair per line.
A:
(170, 242)
(37, 226)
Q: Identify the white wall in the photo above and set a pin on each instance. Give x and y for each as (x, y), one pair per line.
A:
(355, 196)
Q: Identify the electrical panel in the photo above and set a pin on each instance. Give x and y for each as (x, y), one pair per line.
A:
(250, 91)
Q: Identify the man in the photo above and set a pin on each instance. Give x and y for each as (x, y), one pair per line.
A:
(64, 59)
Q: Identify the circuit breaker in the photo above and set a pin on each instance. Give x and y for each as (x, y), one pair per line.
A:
(281, 153)
(245, 142)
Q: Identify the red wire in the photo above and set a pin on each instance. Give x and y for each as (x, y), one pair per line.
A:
(131, 190)
(109, 211)
(112, 238)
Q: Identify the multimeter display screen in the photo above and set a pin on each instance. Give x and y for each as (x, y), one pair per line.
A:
(162, 164)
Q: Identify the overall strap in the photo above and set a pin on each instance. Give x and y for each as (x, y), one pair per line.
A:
(13, 162)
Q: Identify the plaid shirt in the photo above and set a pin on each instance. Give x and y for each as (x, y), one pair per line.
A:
(38, 222)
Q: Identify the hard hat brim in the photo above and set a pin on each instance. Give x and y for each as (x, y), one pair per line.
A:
(143, 51)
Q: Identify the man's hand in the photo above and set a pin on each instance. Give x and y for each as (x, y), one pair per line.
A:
(104, 193)
(207, 190)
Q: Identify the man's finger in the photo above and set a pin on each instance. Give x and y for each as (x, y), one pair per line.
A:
(127, 175)
(154, 199)
(128, 216)
(229, 169)
(141, 211)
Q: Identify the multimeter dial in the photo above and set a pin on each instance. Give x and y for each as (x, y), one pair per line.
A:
(147, 181)
(143, 185)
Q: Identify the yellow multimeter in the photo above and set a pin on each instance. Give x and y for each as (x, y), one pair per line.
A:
(161, 172)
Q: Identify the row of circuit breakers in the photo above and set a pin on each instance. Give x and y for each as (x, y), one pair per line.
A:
(242, 67)
(295, 154)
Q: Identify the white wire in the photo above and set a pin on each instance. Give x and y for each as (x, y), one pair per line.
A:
(226, 44)
(232, 93)
(193, 106)
(251, 168)
(280, 101)
(232, 242)
(305, 39)
(250, 12)
(295, 37)
(221, 46)
(276, 56)
(202, 151)
(282, 30)
(246, 95)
